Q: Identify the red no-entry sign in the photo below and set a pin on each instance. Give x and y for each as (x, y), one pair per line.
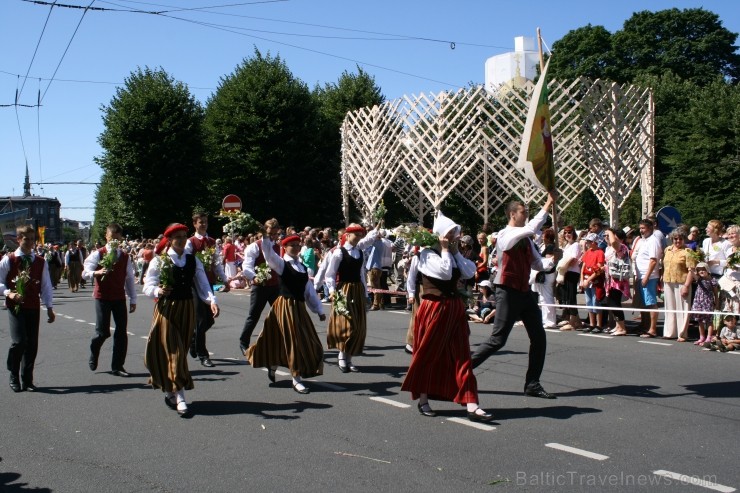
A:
(231, 203)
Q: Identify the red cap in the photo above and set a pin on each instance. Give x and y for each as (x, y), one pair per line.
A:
(290, 239)
(172, 229)
(355, 229)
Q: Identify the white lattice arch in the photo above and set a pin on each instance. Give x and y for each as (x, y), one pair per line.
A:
(427, 147)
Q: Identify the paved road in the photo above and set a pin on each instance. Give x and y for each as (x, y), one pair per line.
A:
(632, 415)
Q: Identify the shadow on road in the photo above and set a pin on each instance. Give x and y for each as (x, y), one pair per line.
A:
(6, 478)
(93, 389)
(623, 390)
(717, 389)
(264, 409)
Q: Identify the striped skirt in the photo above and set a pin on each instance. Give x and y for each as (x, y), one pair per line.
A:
(167, 346)
(440, 365)
(348, 334)
(288, 339)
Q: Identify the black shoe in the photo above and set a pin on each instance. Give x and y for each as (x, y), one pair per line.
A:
(193, 352)
(169, 403)
(93, 362)
(271, 374)
(121, 373)
(243, 348)
(536, 390)
(409, 349)
(596, 330)
(353, 368)
(429, 414)
(30, 387)
(480, 418)
(15, 385)
(207, 362)
(301, 391)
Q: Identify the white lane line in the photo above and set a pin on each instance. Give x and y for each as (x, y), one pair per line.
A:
(278, 372)
(472, 424)
(93, 324)
(596, 335)
(399, 312)
(327, 385)
(734, 352)
(557, 331)
(145, 337)
(685, 479)
(67, 317)
(130, 333)
(656, 343)
(80, 320)
(577, 451)
(390, 401)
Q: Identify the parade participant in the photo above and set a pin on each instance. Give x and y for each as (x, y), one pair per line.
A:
(55, 266)
(413, 293)
(171, 279)
(112, 272)
(73, 265)
(289, 337)
(83, 256)
(517, 254)
(346, 272)
(263, 291)
(198, 243)
(25, 283)
(440, 365)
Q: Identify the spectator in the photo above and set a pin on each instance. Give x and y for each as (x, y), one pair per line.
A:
(677, 267)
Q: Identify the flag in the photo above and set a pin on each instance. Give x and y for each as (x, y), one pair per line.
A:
(41, 235)
(536, 153)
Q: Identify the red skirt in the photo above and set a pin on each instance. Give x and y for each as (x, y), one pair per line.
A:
(440, 365)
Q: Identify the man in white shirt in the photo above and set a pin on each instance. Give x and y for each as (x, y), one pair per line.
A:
(647, 272)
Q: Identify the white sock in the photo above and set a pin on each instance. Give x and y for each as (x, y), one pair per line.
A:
(181, 396)
(472, 406)
(342, 358)
(298, 383)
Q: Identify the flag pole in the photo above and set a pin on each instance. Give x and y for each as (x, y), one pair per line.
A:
(542, 69)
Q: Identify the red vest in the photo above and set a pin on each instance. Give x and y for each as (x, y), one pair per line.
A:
(33, 288)
(275, 278)
(112, 287)
(515, 265)
(200, 244)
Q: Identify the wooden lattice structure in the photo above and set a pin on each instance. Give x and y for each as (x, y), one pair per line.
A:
(427, 147)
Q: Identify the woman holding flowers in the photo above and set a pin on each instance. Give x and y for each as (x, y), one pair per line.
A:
(170, 279)
(440, 367)
(715, 248)
(730, 282)
(289, 337)
(345, 273)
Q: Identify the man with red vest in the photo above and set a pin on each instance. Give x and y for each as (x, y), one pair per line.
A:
(517, 255)
(261, 293)
(24, 306)
(203, 316)
(111, 287)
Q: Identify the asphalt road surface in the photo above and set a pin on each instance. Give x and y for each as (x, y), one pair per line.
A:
(631, 415)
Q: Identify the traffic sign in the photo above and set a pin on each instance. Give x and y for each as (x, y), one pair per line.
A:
(668, 219)
(231, 203)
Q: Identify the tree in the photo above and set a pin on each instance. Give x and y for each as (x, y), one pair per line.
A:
(260, 130)
(585, 51)
(152, 153)
(109, 208)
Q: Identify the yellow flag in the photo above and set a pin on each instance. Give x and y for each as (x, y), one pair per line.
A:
(41, 235)
(536, 153)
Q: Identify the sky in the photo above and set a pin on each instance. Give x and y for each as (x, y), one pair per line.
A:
(73, 61)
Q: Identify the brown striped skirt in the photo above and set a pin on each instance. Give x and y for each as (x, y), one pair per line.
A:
(167, 347)
(288, 339)
(348, 334)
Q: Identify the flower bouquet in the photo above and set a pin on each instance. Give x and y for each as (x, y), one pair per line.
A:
(110, 258)
(698, 255)
(380, 212)
(21, 281)
(262, 273)
(166, 276)
(206, 258)
(733, 261)
(340, 305)
(417, 235)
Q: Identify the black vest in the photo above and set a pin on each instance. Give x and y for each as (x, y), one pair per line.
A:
(293, 283)
(183, 280)
(350, 268)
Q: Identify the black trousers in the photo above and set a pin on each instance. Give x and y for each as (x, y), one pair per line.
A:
(24, 342)
(203, 321)
(511, 306)
(259, 297)
(103, 311)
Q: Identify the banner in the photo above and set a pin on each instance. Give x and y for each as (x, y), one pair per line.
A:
(536, 153)
(8, 222)
(41, 235)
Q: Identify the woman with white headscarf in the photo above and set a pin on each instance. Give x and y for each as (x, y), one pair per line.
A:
(440, 367)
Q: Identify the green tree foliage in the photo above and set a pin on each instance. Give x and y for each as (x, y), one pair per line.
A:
(585, 51)
(260, 134)
(152, 154)
(351, 92)
(109, 208)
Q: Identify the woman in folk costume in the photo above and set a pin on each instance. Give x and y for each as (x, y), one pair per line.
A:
(440, 366)
(289, 338)
(346, 272)
(171, 282)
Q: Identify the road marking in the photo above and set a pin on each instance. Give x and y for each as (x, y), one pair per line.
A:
(93, 324)
(327, 385)
(557, 331)
(656, 343)
(129, 333)
(596, 335)
(390, 401)
(67, 316)
(80, 320)
(472, 424)
(278, 372)
(398, 312)
(685, 479)
(577, 451)
(145, 337)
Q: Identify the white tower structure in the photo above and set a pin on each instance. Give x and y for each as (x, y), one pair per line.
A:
(513, 69)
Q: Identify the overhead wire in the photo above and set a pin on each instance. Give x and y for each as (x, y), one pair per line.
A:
(38, 43)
